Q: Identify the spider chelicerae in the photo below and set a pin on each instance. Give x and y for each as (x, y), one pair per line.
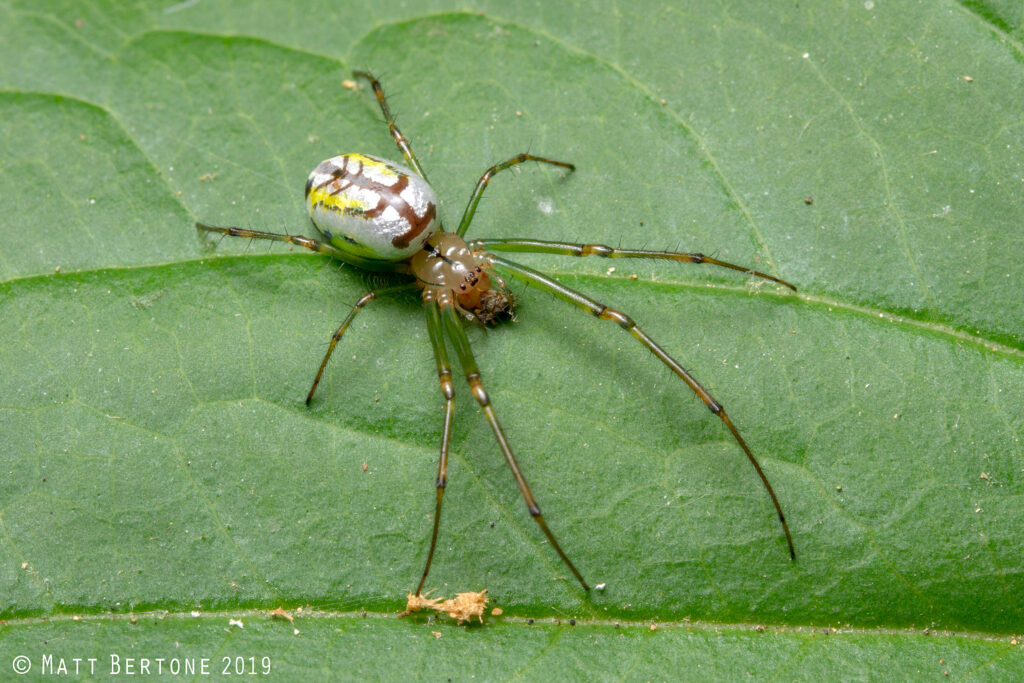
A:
(382, 216)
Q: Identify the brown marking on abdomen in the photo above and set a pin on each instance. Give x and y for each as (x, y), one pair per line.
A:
(390, 195)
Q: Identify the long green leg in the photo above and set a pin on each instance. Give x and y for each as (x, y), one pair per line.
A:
(400, 140)
(457, 335)
(599, 310)
(307, 242)
(336, 337)
(573, 249)
(311, 244)
(478, 191)
(444, 374)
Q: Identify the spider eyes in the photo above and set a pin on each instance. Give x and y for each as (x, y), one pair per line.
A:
(471, 279)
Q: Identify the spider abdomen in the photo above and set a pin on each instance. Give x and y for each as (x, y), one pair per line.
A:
(371, 209)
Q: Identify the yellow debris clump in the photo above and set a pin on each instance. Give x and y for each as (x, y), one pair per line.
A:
(462, 608)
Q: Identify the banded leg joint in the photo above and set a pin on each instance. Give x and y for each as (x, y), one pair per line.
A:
(623, 320)
(447, 388)
(479, 393)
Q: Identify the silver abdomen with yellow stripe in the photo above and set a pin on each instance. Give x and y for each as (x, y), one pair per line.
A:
(371, 209)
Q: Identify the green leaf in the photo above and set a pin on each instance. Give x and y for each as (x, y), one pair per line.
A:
(158, 458)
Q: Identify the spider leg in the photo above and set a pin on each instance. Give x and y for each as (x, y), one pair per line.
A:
(444, 374)
(400, 140)
(457, 335)
(312, 245)
(599, 310)
(481, 184)
(336, 337)
(307, 242)
(573, 249)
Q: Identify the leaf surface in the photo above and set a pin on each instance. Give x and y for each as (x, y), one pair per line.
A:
(158, 454)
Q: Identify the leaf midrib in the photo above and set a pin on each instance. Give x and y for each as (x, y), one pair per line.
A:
(518, 620)
(874, 314)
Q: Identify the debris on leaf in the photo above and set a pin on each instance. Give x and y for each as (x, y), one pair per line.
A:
(414, 603)
(462, 608)
(279, 613)
(465, 606)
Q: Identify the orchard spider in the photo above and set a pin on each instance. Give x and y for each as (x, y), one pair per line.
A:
(381, 216)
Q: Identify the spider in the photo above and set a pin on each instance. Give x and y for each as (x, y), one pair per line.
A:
(382, 216)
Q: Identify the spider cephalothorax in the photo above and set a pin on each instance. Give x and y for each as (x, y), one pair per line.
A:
(447, 266)
(380, 215)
